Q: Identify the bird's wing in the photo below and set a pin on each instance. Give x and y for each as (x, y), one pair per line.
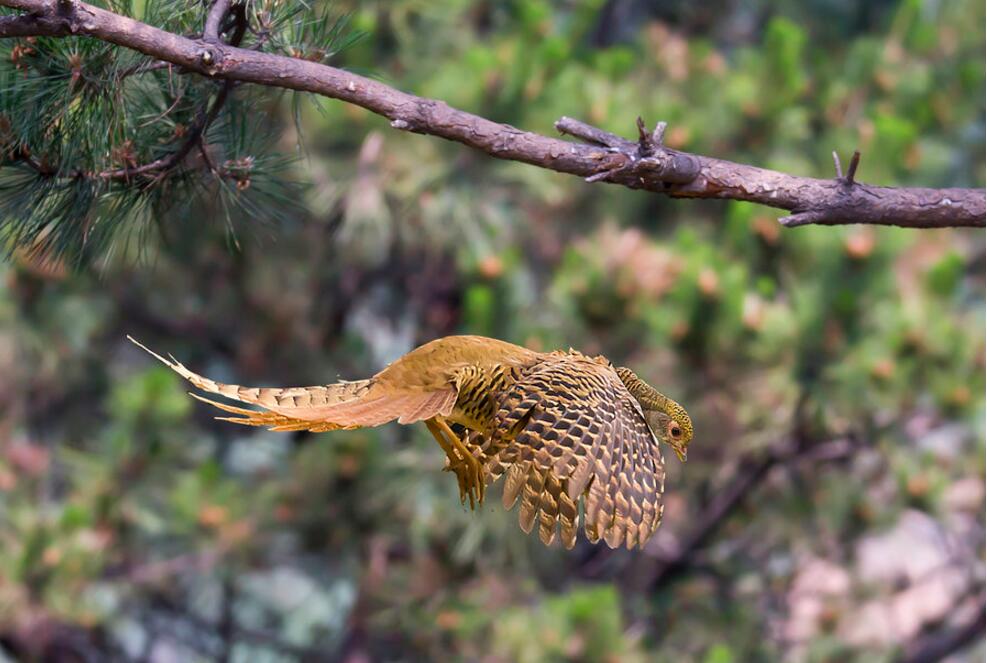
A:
(570, 428)
(324, 407)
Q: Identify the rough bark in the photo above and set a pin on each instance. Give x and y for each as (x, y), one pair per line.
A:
(644, 164)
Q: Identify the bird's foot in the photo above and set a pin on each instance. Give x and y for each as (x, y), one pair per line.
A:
(469, 474)
(461, 478)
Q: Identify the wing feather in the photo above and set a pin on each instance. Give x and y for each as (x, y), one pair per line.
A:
(548, 519)
(568, 518)
(517, 474)
(613, 514)
(530, 499)
(569, 429)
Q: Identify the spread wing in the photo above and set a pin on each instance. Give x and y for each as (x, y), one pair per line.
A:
(570, 429)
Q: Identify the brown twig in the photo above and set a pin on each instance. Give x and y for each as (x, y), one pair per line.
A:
(852, 170)
(214, 20)
(837, 165)
(591, 134)
(24, 155)
(673, 173)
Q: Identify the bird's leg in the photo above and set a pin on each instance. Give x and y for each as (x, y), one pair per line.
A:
(454, 460)
(473, 468)
(463, 463)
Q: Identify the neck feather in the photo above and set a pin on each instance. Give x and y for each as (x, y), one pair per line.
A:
(646, 395)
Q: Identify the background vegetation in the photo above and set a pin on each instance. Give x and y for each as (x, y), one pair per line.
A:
(840, 368)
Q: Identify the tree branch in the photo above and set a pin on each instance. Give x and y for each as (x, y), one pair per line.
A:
(31, 25)
(932, 647)
(646, 164)
(748, 475)
(215, 19)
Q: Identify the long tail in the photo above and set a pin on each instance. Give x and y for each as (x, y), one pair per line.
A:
(283, 403)
(273, 420)
(343, 405)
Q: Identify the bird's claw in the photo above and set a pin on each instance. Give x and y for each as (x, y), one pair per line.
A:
(469, 474)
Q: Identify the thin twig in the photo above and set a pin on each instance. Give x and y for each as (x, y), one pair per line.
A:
(23, 154)
(590, 134)
(852, 170)
(174, 104)
(143, 68)
(658, 137)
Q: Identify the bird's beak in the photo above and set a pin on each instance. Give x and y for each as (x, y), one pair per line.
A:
(681, 453)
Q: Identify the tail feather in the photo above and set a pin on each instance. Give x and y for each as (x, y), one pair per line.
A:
(273, 420)
(343, 405)
(269, 397)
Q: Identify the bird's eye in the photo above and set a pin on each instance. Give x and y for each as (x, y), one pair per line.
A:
(675, 431)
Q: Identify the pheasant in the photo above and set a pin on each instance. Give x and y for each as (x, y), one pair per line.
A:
(558, 426)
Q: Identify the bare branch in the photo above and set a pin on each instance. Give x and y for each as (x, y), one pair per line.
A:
(746, 477)
(803, 218)
(215, 19)
(590, 134)
(852, 170)
(646, 164)
(932, 647)
(30, 25)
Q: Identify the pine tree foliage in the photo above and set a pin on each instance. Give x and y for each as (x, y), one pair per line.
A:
(99, 144)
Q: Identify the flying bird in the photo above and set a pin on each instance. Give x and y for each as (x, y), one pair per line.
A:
(561, 427)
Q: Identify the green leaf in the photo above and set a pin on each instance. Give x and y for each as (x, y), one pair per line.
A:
(719, 653)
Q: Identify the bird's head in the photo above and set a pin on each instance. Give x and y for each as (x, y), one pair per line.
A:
(672, 426)
(667, 419)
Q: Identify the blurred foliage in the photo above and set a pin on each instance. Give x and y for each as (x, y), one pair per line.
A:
(133, 521)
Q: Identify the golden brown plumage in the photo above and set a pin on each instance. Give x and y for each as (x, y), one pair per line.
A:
(559, 425)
